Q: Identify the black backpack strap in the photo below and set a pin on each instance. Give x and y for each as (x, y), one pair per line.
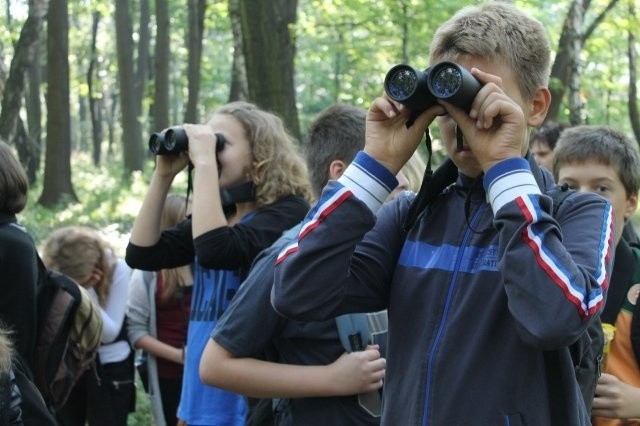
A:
(433, 183)
(621, 278)
(635, 319)
(635, 331)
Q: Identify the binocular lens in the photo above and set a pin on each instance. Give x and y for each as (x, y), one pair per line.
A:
(220, 142)
(446, 82)
(174, 140)
(401, 83)
(155, 143)
(171, 139)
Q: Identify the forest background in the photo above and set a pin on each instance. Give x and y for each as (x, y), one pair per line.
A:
(84, 83)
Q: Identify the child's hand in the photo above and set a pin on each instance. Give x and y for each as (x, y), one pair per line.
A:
(358, 372)
(202, 144)
(388, 139)
(170, 165)
(615, 399)
(495, 127)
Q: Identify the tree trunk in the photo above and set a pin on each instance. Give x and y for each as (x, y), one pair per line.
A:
(14, 89)
(269, 53)
(161, 66)
(57, 170)
(634, 115)
(95, 105)
(239, 87)
(34, 114)
(575, 35)
(560, 70)
(131, 135)
(405, 33)
(142, 70)
(197, 9)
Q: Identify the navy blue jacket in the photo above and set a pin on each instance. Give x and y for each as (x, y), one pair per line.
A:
(474, 292)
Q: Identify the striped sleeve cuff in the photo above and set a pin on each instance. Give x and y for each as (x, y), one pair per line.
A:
(368, 180)
(508, 180)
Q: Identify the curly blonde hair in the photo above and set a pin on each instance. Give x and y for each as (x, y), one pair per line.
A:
(277, 168)
(77, 251)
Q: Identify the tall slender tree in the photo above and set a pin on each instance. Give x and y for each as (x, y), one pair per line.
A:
(33, 105)
(239, 90)
(131, 134)
(162, 59)
(142, 68)
(57, 185)
(95, 98)
(24, 58)
(197, 9)
(576, 15)
(269, 51)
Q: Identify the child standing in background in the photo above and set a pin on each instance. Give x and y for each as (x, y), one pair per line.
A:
(158, 317)
(83, 254)
(603, 160)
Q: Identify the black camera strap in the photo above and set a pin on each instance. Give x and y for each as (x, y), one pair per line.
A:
(230, 196)
(238, 194)
(433, 183)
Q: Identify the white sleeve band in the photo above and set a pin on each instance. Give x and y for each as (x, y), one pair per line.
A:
(510, 186)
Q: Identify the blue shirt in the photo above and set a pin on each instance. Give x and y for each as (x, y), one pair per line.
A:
(201, 404)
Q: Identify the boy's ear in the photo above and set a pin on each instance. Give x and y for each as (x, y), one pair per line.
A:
(632, 205)
(539, 107)
(336, 169)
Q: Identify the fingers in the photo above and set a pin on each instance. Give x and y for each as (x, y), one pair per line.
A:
(606, 385)
(376, 365)
(377, 371)
(483, 109)
(606, 379)
(388, 138)
(385, 108)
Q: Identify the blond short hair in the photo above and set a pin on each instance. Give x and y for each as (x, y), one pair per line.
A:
(500, 32)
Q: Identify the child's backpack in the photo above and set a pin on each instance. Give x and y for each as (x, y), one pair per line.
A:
(68, 336)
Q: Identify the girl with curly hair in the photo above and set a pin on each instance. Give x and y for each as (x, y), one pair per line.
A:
(250, 184)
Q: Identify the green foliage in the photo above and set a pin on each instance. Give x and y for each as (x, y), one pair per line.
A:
(343, 50)
(142, 415)
(106, 202)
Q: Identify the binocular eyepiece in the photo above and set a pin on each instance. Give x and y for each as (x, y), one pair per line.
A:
(174, 140)
(420, 90)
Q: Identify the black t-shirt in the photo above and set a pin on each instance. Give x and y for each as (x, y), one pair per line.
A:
(250, 327)
(226, 248)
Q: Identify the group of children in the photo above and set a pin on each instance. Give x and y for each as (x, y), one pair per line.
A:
(474, 284)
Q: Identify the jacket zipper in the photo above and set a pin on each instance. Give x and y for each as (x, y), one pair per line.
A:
(445, 313)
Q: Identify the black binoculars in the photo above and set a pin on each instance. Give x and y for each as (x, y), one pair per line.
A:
(174, 140)
(420, 90)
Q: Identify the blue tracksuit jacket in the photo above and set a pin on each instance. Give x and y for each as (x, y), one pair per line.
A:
(473, 298)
